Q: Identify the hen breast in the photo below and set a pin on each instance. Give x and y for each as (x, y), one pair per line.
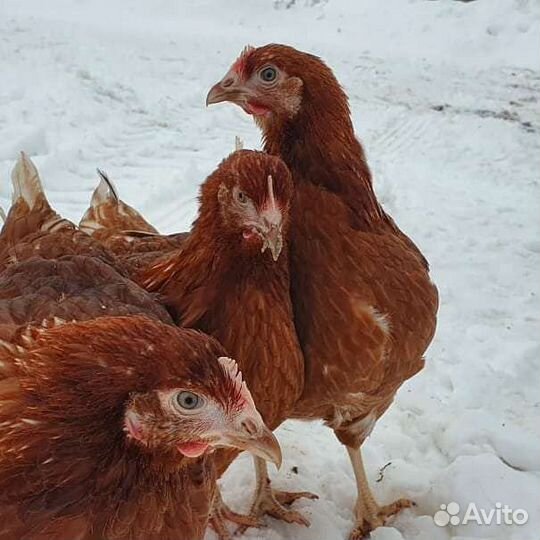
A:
(364, 311)
(264, 342)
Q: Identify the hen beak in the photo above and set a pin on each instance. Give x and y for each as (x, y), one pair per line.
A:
(216, 94)
(259, 441)
(273, 240)
(228, 89)
(251, 434)
(271, 223)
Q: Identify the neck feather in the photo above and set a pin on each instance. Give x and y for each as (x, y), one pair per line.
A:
(320, 147)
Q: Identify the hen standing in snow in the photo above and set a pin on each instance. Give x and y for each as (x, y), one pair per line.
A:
(365, 307)
(231, 280)
(105, 421)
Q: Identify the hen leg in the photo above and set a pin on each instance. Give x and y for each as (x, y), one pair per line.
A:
(221, 514)
(272, 502)
(369, 515)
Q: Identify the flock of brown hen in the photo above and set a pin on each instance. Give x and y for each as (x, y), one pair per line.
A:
(120, 403)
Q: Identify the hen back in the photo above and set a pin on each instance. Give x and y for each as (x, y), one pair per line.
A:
(52, 269)
(123, 230)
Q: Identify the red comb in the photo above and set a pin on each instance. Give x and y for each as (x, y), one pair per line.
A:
(233, 371)
(239, 65)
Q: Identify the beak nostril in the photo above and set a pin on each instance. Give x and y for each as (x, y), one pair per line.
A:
(250, 427)
(225, 83)
(270, 225)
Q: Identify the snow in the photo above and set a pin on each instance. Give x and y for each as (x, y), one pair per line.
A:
(445, 99)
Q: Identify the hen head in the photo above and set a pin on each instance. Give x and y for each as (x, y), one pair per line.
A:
(276, 83)
(170, 391)
(249, 196)
(196, 414)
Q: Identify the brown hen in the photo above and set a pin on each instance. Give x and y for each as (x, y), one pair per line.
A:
(365, 307)
(105, 423)
(231, 280)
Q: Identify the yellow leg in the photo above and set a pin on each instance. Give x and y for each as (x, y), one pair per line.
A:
(272, 502)
(221, 514)
(369, 514)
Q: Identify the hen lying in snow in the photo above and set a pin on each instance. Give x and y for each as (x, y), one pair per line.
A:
(122, 230)
(105, 420)
(51, 268)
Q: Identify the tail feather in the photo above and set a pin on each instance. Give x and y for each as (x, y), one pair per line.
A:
(108, 213)
(104, 205)
(27, 184)
(30, 211)
(105, 191)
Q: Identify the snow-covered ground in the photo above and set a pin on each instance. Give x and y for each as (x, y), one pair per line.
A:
(445, 97)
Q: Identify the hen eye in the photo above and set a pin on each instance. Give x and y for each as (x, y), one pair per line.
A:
(242, 198)
(189, 400)
(268, 74)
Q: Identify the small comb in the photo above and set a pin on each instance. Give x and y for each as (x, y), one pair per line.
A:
(239, 65)
(233, 371)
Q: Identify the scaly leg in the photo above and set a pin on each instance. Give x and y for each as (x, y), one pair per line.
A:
(221, 513)
(272, 502)
(369, 515)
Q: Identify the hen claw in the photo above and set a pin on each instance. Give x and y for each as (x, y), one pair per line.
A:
(288, 497)
(273, 503)
(221, 513)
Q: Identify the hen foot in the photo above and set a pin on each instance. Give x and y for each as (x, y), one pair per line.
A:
(221, 514)
(369, 516)
(273, 502)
